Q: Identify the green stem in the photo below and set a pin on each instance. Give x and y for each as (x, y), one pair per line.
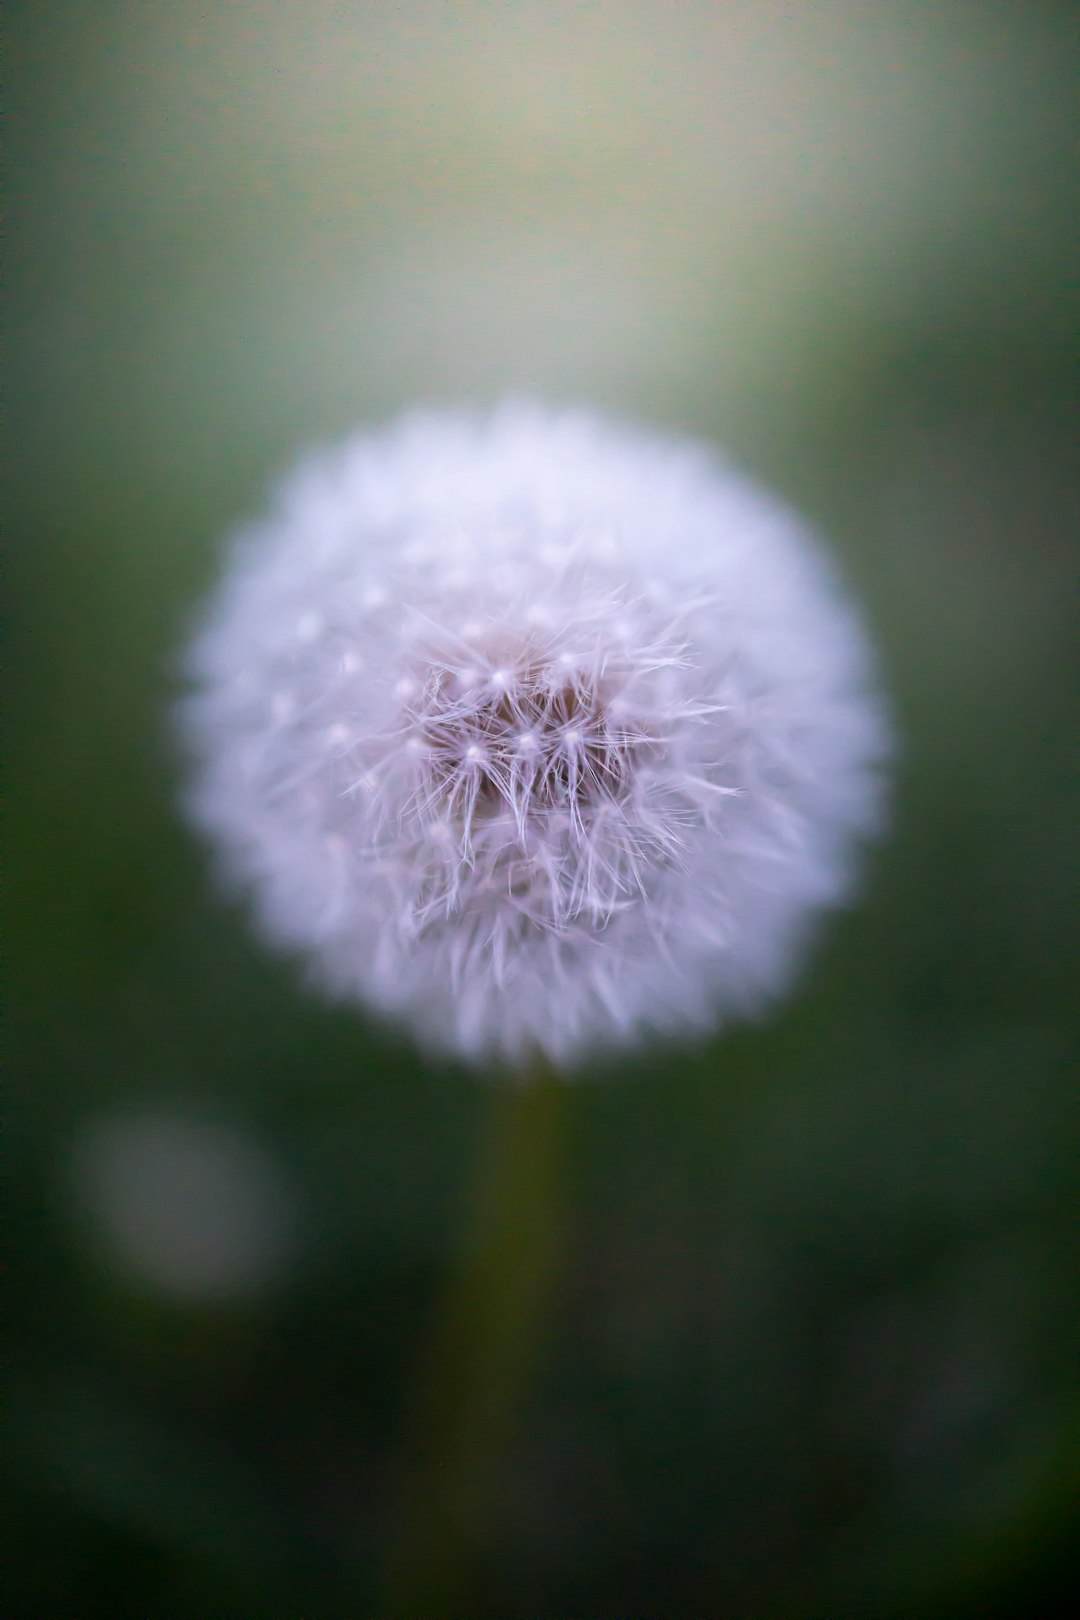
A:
(483, 1347)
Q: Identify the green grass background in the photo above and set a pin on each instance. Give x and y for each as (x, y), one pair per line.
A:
(800, 1337)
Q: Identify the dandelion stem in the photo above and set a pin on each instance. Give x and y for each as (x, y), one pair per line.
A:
(485, 1340)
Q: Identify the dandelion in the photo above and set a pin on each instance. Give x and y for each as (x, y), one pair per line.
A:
(534, 733)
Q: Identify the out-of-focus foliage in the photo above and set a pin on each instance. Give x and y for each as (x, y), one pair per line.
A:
(805, 1346)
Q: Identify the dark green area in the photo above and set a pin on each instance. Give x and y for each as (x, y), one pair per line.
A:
(804, 1338)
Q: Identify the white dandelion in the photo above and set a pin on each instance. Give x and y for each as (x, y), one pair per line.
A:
(537, 734)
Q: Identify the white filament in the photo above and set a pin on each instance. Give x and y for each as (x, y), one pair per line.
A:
(533, 732)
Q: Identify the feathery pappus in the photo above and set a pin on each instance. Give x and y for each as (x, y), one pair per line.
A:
(535, 733)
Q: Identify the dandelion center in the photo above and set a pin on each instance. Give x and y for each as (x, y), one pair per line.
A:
(531, 738)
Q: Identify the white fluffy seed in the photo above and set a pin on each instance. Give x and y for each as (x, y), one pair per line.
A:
(612, 747)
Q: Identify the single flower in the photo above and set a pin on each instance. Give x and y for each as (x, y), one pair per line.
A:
(533, 732)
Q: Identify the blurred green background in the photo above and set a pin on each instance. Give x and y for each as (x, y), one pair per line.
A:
(778, 1327)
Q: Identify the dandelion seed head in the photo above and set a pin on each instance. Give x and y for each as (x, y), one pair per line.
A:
(533, 732)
